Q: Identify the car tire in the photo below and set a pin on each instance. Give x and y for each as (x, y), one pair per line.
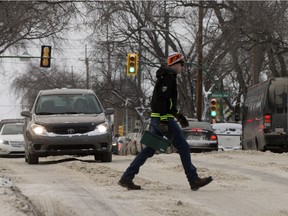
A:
(31, 159)
(106, 157)
(97, 157)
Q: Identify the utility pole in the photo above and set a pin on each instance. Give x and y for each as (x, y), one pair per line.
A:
(199, 71)
(87, 68)
(166, 30)
(140, 59)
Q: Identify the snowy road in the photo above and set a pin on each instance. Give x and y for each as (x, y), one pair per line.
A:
(245, 183)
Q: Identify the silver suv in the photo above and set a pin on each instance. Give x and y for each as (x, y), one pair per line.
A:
(67, 122)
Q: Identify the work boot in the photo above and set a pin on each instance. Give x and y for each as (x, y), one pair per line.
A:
(200, 182)
(129, 184)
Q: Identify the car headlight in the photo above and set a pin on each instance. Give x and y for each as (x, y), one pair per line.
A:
(4, 142)
(102, 128)
(38, 129)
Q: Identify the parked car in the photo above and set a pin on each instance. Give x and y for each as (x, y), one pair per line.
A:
(229, 135)
(124, 149)
(121, 140)
(134, 146)
(132, 142)
(200, 136)
(117, 143)
(11, 139)
(16, 120)
(146, 126)
(58, 125)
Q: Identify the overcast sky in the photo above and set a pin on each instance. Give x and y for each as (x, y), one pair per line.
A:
(9, 105)
(72, 55)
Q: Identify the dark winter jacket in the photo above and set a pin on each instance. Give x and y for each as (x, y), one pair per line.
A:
(164, 99)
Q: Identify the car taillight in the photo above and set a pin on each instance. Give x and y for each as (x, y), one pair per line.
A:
(267, 120)
(198, 130)
(213, 137)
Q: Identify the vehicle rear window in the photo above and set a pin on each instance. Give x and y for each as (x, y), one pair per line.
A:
(203, 125)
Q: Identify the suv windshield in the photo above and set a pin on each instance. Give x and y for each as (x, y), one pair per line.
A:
(68, 104)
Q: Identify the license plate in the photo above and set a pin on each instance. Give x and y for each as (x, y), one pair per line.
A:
(195, 137)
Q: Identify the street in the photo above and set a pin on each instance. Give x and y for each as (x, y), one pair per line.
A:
(245, 183)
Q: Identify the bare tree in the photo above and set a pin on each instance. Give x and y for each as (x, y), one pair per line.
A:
(22, 21)
(243, 41)
(35, 79)
(119, 28)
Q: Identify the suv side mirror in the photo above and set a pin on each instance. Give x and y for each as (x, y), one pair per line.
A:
(26, 114)
(109, 111)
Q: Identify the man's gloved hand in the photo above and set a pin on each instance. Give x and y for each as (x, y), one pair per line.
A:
(163, 126)
(183, 121)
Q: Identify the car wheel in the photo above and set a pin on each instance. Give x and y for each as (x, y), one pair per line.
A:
(106, 157)
(31, 159)
(97, 157)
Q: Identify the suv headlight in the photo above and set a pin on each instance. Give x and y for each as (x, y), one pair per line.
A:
(4, 142)
(38, 129)
(102, 128)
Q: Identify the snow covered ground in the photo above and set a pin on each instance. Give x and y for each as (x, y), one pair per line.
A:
(245, 183)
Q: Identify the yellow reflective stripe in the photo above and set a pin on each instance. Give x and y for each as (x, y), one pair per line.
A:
(163, 118)
(155, 115)
(171, 103)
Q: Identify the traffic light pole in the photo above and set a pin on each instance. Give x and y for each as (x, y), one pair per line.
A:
(126, 111)
(45, 57)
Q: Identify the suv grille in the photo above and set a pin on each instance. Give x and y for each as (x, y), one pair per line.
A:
(71, 129)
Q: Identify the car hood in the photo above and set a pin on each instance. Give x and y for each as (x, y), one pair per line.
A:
(12, 137)
(69, 119)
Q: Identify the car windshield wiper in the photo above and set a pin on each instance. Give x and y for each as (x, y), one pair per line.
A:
(77, 113)
(69, 113)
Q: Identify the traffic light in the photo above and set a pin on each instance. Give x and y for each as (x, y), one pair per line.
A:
(213, 107)
(132, 64)
(45, 56)
(237, 112)
(121, 130)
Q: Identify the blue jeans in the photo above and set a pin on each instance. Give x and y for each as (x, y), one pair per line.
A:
(176, 136)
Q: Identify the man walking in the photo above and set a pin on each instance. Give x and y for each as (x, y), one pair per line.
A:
(164, 110)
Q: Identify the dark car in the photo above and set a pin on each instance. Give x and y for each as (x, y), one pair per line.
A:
(200, 137)
(67, 122)
(116, 144)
